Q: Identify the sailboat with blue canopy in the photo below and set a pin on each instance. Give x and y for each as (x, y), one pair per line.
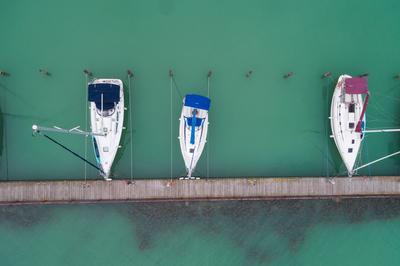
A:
(193, 129)
(106, 97)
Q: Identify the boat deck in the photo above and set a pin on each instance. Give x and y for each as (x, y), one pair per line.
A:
(32, 192)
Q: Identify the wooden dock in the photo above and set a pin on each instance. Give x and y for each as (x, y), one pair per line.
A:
(32, 192)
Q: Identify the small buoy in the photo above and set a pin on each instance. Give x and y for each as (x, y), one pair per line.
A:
(248, 74)
(326, 75)
(130, 73)
(170, 73)
(288, 75)
(87, 72)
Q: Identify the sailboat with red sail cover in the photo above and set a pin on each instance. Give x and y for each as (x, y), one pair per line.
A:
(348, 120)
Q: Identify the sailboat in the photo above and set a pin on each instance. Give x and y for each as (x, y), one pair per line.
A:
(348, 120)
(348, 117)
(106, 97)
(193, 129)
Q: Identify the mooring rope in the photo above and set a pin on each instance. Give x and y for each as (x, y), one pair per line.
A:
(176, 87)
(130, 76)
(171, 75)
(86, 121)
(5, 133)
(208, 144)
(326, 128)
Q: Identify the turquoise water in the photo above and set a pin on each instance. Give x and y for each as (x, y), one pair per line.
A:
(351, 232)
(263, 125)
(259, 126)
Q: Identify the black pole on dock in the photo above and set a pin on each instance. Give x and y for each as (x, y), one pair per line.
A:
(87, 72)
(44, 72)
(4, 73)
(326, 75)
(249, 73)
(130, 73)
(288, 75)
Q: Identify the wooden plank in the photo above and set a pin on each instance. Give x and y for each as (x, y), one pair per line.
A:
(20, 192)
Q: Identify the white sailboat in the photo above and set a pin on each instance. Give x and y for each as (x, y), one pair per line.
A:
(193, 129)
(348, 117)
(106, 97)
(348, 122)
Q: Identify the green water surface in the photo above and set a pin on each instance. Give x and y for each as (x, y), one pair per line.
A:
(262, 125)
(356, 232)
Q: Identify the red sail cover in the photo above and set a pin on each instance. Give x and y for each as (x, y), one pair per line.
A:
(356, 85)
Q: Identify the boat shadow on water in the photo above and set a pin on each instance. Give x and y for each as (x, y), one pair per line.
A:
(242, 221)
(25, 216)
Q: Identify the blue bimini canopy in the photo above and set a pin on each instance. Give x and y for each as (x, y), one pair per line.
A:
(197, 101)
(110, 95)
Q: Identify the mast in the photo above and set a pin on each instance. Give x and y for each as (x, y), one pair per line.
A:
(74, 153)
(102, 112)
(377, 160)
(382, 130)
(75, 130)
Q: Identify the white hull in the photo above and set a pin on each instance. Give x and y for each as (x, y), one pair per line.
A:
(110, 123)
(345, 112)
(191, 152)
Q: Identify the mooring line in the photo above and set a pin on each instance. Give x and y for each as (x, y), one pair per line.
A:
(208, 144)
(131, 76)
(327, 131)
(86, 121)
(177, 88)
(5, 134)
(171, 75)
